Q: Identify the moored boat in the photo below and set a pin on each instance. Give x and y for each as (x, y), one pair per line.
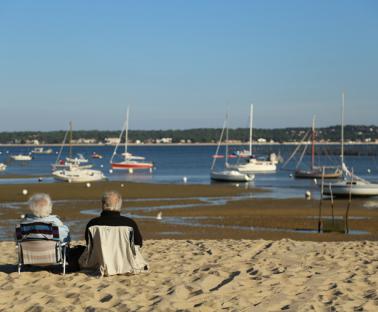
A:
(317, 173)
(96, 156)
(72, 169)
(41, 150)
(21, 157)
(226, 174)
(77, 174)
(129, 162)
(252, 164)
(351, 185)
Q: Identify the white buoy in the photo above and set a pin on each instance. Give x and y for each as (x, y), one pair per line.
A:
(290, 175)
(315, 181)
(88, 184)
(122, 185)
(184, 179)
(22, 216)
(308, 194)
(237, 184)
(24, 192)
(159, 216)
(110, 170)
(102, 166)
(369, 171)
(131, 170)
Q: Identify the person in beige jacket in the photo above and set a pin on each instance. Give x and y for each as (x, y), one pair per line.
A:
(110, 218)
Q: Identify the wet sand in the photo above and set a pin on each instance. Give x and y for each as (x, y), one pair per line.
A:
(199, 211)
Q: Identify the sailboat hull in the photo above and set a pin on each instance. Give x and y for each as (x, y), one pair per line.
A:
(255, 166)
(78, 176)
(230, 176)
(317, 174)
(131, 165)
(357, 189)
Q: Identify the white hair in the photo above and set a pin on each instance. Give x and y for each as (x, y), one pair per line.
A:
(40, 205)
(111, 201)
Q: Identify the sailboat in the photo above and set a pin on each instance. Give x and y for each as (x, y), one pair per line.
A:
(227, 174)
(254, 165)
(130, 161)
(328, 172)
(351, 185)
(71, 169)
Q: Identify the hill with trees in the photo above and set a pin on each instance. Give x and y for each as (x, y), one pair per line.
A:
(355, 133)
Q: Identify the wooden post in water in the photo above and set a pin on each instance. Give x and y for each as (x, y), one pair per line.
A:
(332, 205)
(348, 207)
(320, 221)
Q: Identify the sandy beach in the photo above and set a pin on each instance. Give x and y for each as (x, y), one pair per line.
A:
(217, 247)
(209, 275)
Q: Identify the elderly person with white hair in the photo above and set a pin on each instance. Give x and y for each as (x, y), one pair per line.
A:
(40, 206)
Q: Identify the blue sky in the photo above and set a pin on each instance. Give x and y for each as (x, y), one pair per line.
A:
(182, 64)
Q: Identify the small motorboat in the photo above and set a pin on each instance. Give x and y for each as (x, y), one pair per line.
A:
(41, 150)
(21, 157)
(96, 156)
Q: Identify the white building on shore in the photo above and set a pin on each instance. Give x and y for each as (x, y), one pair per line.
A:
(111, 141)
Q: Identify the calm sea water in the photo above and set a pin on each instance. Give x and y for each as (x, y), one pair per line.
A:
(172, 163)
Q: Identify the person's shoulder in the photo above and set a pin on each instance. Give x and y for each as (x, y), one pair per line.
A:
(93, 221)
(128, 220)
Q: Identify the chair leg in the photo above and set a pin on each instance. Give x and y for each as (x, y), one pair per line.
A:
(64, 260)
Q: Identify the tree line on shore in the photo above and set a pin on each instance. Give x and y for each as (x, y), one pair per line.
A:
(353, 133)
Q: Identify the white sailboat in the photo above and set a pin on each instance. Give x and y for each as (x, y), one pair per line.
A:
(254, 165)
(227, 174)
(76, 174)
(130, 162)
(71, 169)
(351, 185)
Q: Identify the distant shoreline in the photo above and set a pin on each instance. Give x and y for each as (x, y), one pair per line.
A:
(188, 144)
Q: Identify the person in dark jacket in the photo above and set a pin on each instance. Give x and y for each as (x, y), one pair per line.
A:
(111, 216)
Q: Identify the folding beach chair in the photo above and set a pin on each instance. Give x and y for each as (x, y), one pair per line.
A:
(111, 251)
(38, 244)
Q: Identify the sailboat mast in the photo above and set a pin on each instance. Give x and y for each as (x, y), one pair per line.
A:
(250, 129)
(313, 143)
(342, 130)
(218, 146)
(70, 143)
(127, 130)
(226, 154)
